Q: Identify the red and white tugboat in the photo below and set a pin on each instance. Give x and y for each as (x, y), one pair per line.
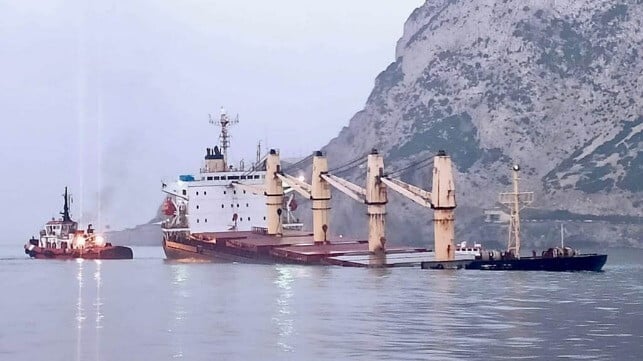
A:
(61, 239)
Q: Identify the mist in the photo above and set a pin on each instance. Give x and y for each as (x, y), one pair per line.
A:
(109, 98)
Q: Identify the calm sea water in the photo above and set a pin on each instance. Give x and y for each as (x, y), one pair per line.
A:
(152, 309)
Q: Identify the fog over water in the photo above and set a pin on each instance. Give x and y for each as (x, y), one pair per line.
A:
(109, 97)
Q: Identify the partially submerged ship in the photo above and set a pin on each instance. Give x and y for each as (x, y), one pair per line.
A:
(62, 239)
(238, 213)
(245, 213)
(555, 259)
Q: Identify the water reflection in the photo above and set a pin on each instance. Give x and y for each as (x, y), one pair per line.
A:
(80, 316)
(97, 305)
(440, 311)
(180, 275)
(83, 335)
(377, 259)
(379, 272)
(284, 318)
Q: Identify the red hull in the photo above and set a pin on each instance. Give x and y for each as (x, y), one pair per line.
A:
(250, 247)
(109, 252)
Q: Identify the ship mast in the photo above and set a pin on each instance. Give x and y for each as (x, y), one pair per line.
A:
(65, 212)
(258, 154)
(515, 201)
(224, 138)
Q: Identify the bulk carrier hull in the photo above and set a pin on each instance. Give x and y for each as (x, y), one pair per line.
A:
(201, 251)
(251, 247)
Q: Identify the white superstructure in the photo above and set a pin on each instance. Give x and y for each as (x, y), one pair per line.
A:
(221, 197)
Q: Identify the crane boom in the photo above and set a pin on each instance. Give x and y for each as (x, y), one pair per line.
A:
(416, 194)
(352, 190)
(297, 185)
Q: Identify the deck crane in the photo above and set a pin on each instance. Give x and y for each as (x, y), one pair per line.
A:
(441, 198)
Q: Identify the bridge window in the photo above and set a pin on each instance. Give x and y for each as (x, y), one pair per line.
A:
(209, 178)
(197, 207)
(205, 193)
(197, 220)
(235, 192)
(224, 192)
(222, 206)
(197, 193)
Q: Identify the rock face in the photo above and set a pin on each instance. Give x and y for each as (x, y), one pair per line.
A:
(555, 86)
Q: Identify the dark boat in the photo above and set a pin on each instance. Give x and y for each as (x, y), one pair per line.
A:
(582, 262)
(61, 239)
(557, 259)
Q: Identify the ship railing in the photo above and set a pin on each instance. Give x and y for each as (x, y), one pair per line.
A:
(260, 230)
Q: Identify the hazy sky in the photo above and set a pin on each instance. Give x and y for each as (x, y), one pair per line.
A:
(109, 97)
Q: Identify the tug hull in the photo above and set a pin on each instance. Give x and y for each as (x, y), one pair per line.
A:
(108, 252)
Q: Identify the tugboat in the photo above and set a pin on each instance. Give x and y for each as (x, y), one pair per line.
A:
(61, 239)
(554, 259)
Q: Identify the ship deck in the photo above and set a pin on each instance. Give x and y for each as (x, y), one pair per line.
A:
(300, 248)
(394, 258)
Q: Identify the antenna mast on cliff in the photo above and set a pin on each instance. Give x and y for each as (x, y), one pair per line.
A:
(224, 138)
(515, 201)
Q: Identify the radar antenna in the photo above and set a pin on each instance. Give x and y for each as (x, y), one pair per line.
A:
(516, 201)
(224, 138)
(65, 212)
(258, 154)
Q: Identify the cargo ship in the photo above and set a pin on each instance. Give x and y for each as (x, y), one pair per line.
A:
(555, 259)
(62, 239)
(248, 212)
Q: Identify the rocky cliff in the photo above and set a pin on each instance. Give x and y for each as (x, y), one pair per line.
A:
(556, 86)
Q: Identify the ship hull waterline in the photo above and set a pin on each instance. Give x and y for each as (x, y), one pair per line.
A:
(246, 247)
(176, 251)
(103, 253)
(583, 262)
